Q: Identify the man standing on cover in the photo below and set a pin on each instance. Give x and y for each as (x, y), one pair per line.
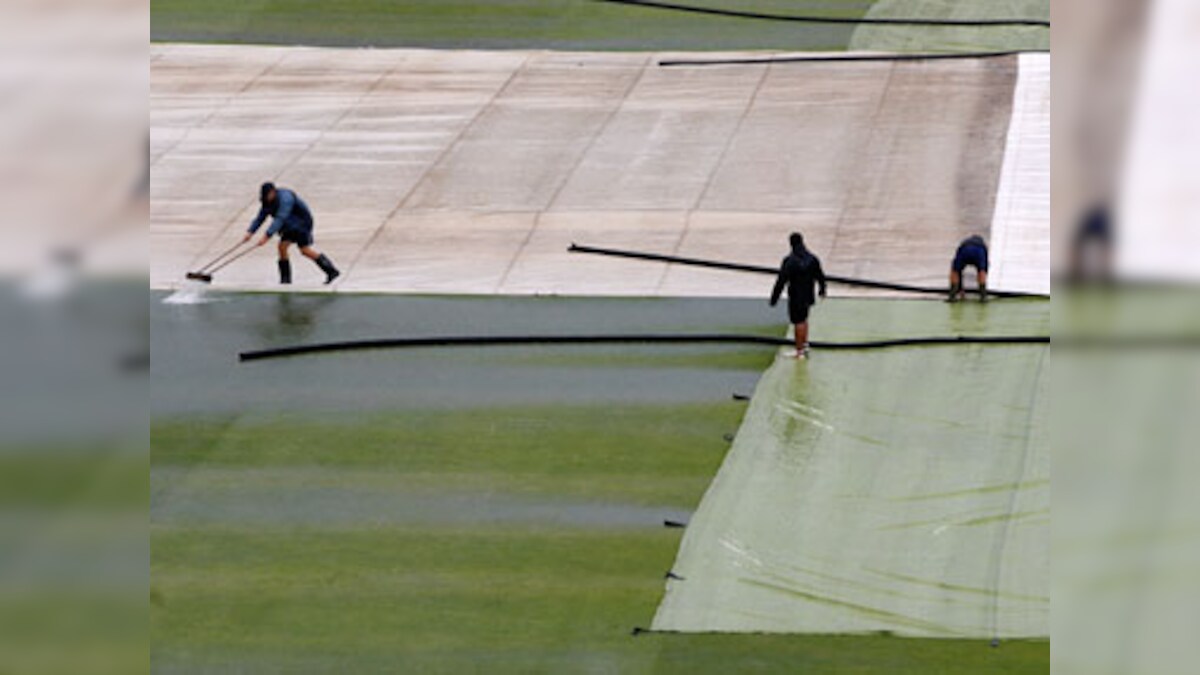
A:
(293, 222)
(800, 271)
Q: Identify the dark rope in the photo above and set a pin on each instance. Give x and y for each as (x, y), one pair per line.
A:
(756, 269)
(738, 14)
(649, 338)
(941, 56)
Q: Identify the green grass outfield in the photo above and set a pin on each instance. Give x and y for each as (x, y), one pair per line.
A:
(467, 533)
(496, 24)
(249, 575)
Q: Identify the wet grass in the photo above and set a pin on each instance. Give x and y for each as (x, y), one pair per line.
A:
(495, 24)
(661, 455)
(246, 588)
(420, 596)
(475, 600)
(468, 598)
(107, 630)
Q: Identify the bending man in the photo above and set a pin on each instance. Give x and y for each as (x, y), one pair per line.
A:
(972, 252)
(293, 222)
(800, 271)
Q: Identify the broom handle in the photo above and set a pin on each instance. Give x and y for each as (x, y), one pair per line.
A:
(225, 264)
(217, 259)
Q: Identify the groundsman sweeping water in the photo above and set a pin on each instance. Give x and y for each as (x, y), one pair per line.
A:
(293, 222)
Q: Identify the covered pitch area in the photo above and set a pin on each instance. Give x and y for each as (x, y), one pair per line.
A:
(503, 508)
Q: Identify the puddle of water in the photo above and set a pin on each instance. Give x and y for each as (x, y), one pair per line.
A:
(52, 282)
(192, 292)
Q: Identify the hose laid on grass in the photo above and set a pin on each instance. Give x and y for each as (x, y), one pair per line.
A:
(863, 21)
(756, 269)
(646, 338)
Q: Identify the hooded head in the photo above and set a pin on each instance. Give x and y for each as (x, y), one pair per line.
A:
(266, 193)
(797, 241)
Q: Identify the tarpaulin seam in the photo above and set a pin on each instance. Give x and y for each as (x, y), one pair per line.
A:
(1006, 523)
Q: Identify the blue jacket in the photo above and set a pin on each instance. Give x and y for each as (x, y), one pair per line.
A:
(289, 211)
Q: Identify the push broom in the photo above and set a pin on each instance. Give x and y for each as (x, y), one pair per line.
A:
(206, 272)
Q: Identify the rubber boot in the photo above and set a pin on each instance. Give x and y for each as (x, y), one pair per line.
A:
(285, 271)
(327, 267)
(954, 294)
(983, 294)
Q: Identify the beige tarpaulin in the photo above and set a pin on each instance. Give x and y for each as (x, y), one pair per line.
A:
(471, 172)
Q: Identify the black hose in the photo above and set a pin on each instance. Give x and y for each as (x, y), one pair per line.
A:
(738, 14)
(861, 58)
(648, 338)
(757, 269)
(658, 257)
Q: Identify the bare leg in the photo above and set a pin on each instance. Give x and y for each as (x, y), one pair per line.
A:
(955, 286)
(310, 252)
(1106, 262)
(801, 338)
(981, 277)
(283, 249)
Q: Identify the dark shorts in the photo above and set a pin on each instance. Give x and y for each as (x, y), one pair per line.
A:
(798, 310)
(970, 256)
(1096, 226)
(301, 237)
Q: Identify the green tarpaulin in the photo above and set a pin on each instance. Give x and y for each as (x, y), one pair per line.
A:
(903, 490)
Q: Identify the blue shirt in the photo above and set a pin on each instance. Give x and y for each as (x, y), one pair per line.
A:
(288, 210)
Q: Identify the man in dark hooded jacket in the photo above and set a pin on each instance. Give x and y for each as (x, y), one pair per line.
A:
(799, 272)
